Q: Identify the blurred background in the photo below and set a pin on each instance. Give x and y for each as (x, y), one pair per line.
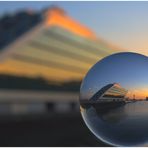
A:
(46, 48)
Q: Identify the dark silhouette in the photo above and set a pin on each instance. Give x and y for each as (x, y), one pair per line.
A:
(13, 26)
(15, 82)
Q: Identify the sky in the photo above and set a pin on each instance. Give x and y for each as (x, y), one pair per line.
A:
(129, 70)
(124, 24)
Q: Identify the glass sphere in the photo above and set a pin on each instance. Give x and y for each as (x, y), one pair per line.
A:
(114, 99)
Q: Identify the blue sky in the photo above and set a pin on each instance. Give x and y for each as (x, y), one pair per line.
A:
(124, 24)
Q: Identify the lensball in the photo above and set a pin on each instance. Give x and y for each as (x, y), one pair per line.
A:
(114, 99)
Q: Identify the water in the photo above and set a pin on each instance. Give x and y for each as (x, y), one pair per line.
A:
(126, 125)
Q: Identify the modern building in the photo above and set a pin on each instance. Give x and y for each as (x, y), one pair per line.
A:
(110, 92)
(111, 95)
(51, 47)
(49, 44)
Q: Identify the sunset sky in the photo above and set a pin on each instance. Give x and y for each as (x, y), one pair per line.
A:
(129, 70)
(121, 23)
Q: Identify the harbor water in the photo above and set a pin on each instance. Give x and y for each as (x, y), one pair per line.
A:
(126, 125)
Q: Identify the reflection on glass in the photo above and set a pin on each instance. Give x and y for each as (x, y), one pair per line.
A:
(113, 99)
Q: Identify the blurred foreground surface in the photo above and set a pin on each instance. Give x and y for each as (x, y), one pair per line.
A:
(65, 129)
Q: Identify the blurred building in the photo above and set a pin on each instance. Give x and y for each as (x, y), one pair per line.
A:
(44, 56)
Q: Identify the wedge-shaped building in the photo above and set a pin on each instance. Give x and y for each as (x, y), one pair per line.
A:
(110, 92)
(49, 46)
(55, 47)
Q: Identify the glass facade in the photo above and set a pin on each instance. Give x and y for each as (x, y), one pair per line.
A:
(115, 92)
(54, 50)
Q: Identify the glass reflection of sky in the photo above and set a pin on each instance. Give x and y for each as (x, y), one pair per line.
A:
(128, 69)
